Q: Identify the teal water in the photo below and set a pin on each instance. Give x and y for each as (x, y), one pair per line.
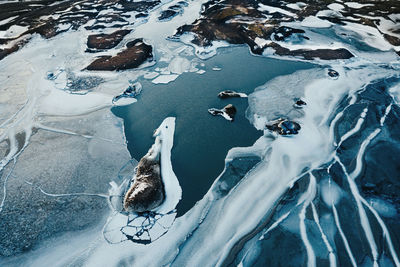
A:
(201, 140)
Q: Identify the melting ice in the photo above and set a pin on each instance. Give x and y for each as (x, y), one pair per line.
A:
(326, 195)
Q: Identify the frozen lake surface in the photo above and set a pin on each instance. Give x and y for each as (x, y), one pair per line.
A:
(201, 140)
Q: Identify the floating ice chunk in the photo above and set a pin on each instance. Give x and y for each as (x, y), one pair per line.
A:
(164, 79)
(315, 22)
(124, 101)
(179, 65)
(150, 75)
(383, 207)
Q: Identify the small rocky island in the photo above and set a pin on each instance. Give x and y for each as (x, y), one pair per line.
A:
(147, 190)
(229, 93)
(228, 112)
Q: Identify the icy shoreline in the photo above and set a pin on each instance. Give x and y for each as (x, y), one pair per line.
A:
(63, 147)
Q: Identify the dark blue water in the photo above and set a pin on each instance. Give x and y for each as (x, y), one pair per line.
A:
(201, 140)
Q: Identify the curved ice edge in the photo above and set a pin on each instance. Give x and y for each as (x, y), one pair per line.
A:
(173, 191)
(146, 227)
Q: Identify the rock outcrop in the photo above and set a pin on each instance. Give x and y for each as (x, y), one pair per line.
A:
(228, 112)
(147, 190)
(136, 53)
(105, 41)
(229, 93)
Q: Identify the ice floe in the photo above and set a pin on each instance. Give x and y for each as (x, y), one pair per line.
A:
(165, 78)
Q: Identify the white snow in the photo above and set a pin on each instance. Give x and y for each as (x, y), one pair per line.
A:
(173, 191)
(60, 103)
(331, 193)
(336, 7)
(13, 32)
(356, 5)
(261, 42)
(271, 9)
(315, 22)
(293, 6)
(5, 21)
(179, 65)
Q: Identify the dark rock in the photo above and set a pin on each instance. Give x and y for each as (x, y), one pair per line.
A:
(299, 103)
(172, 11)
(106, 41)
(147, 191)
(141, 6)
(392, 39)
(7, 51)
(229, 93)
(167, 14)
(284, 127)
(324, 54)
(333, 73)
(228, 112)
(141, 15)
(137, 52)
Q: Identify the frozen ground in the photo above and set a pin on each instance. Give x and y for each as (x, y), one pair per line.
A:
(327, 196)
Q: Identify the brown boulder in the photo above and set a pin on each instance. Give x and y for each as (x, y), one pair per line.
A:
(133, 56)
(106, 41)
